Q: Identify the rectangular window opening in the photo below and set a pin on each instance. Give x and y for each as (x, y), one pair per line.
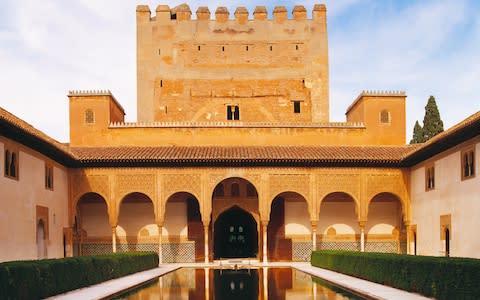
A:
(48, 177)
(296, 107)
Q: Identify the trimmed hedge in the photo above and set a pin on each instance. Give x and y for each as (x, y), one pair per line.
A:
(35, 279)
(439, 277)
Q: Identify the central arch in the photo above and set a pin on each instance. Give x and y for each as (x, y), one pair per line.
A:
(235, 234)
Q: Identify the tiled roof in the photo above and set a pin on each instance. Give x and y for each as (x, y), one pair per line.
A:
(246, 155)
(375, 156)
(461, 132)
(22, 132)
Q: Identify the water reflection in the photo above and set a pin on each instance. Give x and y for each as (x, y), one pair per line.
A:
(245, 284)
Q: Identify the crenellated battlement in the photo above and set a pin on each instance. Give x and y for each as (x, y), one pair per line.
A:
(241, 15)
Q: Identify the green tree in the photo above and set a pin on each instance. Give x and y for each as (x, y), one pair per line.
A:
(432, 123)
(417, 134)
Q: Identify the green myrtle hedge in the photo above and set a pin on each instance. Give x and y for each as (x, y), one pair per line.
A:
(36, 279)
(438, 277)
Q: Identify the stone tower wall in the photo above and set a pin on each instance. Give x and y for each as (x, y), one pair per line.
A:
(193, 70)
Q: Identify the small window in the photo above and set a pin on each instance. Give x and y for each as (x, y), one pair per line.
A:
(468, 164)
(296, 107)
(246, 48)
(429, 178)
(219, 191)
(296, 47)
(11, 164)
(89, 116)
(223, 48)
(7, 163)
(48, 177)
(271, 48)
(385, 116)
(159, 52)
(161, 83)
(233, 112)
(198, 48)
(235, 192)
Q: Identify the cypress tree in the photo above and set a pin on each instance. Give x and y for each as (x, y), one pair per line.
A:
(417, 134)
(432, 123)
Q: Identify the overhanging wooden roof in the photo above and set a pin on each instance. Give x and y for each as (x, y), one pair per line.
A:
(20, 131)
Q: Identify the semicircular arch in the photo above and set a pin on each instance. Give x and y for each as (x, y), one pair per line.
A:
(270, 201)
(402, 202)
(340, 193)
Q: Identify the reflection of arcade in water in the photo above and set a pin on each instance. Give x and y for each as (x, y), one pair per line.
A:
(236, 284)
(246, 284)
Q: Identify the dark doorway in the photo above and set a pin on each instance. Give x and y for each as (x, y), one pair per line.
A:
(235, 234)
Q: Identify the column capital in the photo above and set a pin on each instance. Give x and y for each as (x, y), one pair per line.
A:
(314, 223)
(362, 224)
(264, 222)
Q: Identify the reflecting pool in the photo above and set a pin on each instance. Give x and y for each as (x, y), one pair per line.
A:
(245, 284)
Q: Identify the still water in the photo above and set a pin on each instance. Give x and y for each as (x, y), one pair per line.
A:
(245, 284)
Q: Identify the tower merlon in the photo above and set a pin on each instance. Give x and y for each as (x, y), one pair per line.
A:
(221, 14)
(182, 12)
(163, 13)
(241, 15)
(280, 14)
(143, 13)
(203, 13)
(319, 12)
(299, 13)
(260, 13)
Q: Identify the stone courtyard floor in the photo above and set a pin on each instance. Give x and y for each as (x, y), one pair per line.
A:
(359, 286)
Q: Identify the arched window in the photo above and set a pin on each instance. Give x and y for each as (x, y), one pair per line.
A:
(89, 116)
(385, 116)
(235, 192)
(219, 191)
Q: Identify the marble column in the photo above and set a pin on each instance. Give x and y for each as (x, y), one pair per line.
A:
(314, 235)
(362, 225)
(205, 234)
(160, 253)
(264, 241)
(114, 239)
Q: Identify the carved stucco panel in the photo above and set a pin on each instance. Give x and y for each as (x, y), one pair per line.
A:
(190, 183)
(387, 183)
(289, 183)
(82, 184)
(141, 183)
(346, 183)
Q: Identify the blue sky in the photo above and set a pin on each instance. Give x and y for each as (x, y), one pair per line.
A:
(422, 47)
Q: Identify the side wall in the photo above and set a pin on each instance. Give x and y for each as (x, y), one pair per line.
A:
(453, 203)
(25, 200)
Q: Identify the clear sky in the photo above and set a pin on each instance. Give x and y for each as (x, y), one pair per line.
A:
(422, 47)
